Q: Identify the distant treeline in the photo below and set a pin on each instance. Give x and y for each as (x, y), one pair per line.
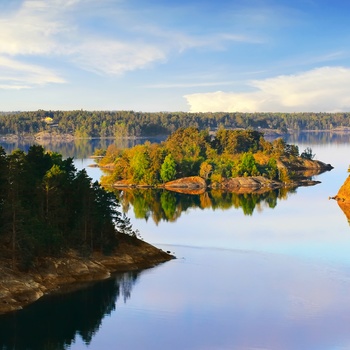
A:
(80, 123)
(47, 207)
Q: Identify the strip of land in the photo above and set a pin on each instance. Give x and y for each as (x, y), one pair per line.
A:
(72, 271)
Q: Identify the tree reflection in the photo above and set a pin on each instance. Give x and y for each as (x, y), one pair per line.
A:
(316, 138)
(55, 321)
(168, 206)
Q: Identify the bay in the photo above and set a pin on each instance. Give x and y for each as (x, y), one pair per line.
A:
(278, 278)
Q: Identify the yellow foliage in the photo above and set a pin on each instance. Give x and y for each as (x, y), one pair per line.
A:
(261, 158)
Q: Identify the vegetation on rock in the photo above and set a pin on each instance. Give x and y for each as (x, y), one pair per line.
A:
(191, 152)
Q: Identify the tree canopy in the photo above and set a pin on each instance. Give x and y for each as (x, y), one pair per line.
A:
(192, 152)
(84, 124)
(47, 206)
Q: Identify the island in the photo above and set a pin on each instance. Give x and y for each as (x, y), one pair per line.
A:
(59, 230)
(193, 159)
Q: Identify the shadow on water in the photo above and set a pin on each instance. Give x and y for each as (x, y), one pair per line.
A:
(163, 205)
(55, 321)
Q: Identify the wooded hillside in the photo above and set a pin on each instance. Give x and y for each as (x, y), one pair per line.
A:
(82, 123)
(47, 206)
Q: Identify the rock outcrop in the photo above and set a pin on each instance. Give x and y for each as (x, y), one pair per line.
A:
(71, 271)
(305, 168)
(252, 182)
(300, 164)
(343, 194)
(191, 182)
(343, 198)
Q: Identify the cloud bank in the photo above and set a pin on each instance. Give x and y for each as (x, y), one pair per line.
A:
(15, 75)
(325, 89)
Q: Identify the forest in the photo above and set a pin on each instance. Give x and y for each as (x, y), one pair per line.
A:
(47, 207)
(87, 124)
(193, 152)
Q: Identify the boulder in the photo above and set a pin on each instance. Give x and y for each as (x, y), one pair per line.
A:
(191, 182)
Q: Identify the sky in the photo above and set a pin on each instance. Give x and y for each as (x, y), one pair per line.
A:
(175, 55)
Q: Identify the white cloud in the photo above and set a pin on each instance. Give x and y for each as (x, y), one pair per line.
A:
(32, 28)
(18, 75)
(115, 57)
(321, 89)
(45, 29)
(14, 87)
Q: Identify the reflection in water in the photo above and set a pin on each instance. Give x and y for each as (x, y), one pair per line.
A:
(278, 281)
(313, 138)
(345, 207)
(168, 206)
(77, 148)
(55, 321)
(84, 148)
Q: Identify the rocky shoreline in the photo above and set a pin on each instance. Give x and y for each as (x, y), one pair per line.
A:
(71, 271)
(197, 185)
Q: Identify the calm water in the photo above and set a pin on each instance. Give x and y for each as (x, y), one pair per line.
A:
(278, 278)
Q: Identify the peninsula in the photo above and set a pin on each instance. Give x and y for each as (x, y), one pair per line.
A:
(58, 229)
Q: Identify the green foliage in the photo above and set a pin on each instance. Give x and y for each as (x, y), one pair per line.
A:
(271, 169)
(246, 166)
(307, 154)
(140, 164)
(168, 169)
(133, 124)
(191, 152)
(187, 143)
(168, 202)
(237, 141)
(46, 206)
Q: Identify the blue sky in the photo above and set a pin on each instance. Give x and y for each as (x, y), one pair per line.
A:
(153, 55)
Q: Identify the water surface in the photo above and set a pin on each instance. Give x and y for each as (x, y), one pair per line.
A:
(277, 277)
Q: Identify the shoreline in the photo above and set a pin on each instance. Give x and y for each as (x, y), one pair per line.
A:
(52, 136)
(71, 271)
(197, 185)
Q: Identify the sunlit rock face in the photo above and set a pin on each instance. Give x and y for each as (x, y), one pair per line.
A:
(343, 198)
(192, 182)
(344, 191)
(72, 271)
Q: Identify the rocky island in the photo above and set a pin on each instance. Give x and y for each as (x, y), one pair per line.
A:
(192, 161)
